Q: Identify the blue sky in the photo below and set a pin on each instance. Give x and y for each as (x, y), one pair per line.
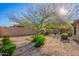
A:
(10, 8)
(18, 8)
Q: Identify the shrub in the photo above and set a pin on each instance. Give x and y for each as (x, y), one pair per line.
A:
(64, 36)
(0, 49)
(6, 39)
(35, 39)
(40, 39)
(61, 32)
(70, 34)
(42, 32)
(29, 38)
(8, 49)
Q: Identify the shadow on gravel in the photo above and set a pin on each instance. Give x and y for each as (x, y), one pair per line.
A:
(27, 50)
(76, 41)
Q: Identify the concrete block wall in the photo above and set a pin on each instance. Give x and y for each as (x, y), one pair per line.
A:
(15, 31)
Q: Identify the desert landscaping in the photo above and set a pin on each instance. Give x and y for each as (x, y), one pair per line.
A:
(41, 30)
(53, 47)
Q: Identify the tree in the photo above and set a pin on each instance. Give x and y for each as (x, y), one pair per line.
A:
(38, 16)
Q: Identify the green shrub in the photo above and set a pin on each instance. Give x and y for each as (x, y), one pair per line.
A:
(64, 36)
(42, 32)
(35, 39)
(8, 49)
(0, 49)
(6, 39)
(40, 39)
(70, 34)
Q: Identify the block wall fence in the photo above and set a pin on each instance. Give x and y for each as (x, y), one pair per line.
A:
(15, 31)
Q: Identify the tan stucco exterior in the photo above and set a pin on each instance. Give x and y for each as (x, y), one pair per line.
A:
(76, 28)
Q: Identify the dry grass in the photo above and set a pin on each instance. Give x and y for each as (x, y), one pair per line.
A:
(20, 40)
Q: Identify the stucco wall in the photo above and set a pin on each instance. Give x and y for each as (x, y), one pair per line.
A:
(15, 31)
(76, 24)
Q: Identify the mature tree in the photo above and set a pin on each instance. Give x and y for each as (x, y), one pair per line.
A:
(36, 17)
(39, 16)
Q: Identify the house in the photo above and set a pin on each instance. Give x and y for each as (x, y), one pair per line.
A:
(76, 29)
(16, 30)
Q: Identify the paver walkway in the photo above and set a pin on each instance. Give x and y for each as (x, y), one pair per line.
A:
(52, 47)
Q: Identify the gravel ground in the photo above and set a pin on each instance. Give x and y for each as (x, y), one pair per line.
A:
(18, 40)
(52, 47)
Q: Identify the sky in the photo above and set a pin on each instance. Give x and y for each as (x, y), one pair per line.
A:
(18, 8)
(10, 8)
